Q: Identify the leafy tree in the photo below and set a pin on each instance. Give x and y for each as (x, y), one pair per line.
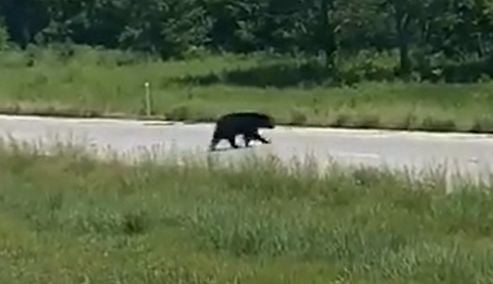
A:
(4, 36)
(406, 16)
(93, 22)
(167, 27)
(465, 29)
(454, 29)
(24, 19)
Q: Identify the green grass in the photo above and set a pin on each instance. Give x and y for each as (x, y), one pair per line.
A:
(67, 218)
(97, 83)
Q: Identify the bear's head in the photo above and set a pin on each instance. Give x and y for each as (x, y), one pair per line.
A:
(268, 122)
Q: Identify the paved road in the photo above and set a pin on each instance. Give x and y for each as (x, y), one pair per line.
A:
(466, 153)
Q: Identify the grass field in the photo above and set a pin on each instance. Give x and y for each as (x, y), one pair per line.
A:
(69, 219)
(96, 83)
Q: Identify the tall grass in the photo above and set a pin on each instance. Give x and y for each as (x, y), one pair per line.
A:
(91, 82)
(67, 218)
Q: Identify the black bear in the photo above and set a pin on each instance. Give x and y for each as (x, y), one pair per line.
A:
(244, 123)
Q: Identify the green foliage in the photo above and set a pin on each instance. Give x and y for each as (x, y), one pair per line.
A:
(168, 28)
(325, 29)
(4, 33)
(4, 37)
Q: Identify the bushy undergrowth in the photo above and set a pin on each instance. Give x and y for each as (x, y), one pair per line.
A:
(81, 81)
(67, 218)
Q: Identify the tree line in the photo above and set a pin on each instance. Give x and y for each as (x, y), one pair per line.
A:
(456, 30)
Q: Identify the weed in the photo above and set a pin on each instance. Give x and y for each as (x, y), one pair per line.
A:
(256, 220)
(437, 124)
(298, 117)
(92, 82)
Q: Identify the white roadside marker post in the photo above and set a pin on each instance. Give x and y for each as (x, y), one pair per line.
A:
(148, 99)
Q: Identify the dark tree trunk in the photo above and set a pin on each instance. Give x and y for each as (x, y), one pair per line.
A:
(327, 32)
(402, 22)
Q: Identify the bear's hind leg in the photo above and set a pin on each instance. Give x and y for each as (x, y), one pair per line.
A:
(247, 138)
(213, 144)
(232, 142)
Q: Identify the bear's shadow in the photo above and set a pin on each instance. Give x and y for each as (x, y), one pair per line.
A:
(226, 148)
